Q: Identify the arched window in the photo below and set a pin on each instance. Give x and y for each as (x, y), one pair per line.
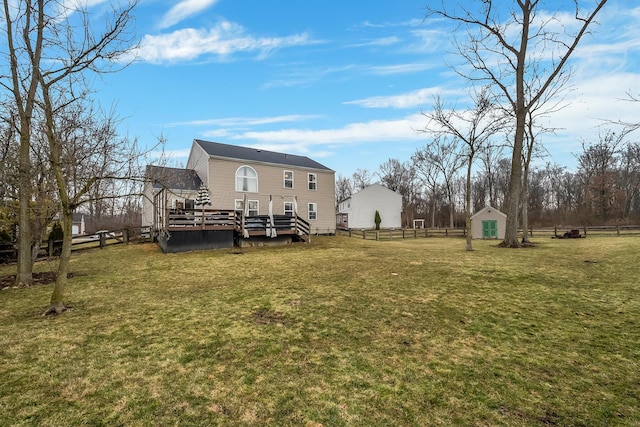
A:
(246, 179)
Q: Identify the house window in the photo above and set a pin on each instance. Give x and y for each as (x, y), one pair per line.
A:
(253, 207)
(313, 181)
(288, 179)
(246, 179)
(313, 211)
(288, 208)
(189, 204)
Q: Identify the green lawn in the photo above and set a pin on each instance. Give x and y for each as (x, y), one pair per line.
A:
(339, 332)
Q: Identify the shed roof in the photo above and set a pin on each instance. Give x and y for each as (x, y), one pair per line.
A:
(174, 178)
(227, 151)
(488, 209)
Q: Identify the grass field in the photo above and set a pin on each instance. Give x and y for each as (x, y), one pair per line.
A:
(341, 332)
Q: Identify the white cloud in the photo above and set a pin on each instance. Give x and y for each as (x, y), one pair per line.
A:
(183, 10)
(417, 98)
(247, 121)
(386, 70)
(223, 40)
(353, 133)
(385, 41)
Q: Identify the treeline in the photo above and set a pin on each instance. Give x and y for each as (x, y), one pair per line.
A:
(603, 190)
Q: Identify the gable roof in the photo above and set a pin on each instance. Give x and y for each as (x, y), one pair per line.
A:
(488, 209)
(226, 151)
(174, 178)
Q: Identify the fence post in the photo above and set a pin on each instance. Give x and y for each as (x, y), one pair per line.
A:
(446, 232)
(377, 235)
(426, 232)
(364, 234)
(415, 233)
(530, 231)
(618, 230)
(349, 232)
(585, 231)
(403, 234)
(555, 231)
(50, 247)
(103, 240)
(125, 236)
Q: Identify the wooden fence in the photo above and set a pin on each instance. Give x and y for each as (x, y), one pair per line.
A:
(403, 233)
(51, 248)
(539, 232)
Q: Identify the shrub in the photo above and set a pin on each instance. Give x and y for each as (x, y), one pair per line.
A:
(56, 232)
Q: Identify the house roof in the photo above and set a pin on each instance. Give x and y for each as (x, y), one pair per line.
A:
(174, 178)
(216, 149)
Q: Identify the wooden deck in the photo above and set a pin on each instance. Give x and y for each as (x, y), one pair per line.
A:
(193, 229)
(178, 230)
(217, 219)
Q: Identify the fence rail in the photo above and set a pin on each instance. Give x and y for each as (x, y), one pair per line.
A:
(538, 232)
(402, 233)
(50, 248)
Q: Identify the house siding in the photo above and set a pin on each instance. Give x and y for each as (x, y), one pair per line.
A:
(198, 162)
(362, 206)
(271, 182)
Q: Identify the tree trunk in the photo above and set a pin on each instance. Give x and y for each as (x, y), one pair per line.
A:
(433, 208)
(512, 199)
(525, 205)
(24, 274)
(57, 297)
(468, 207)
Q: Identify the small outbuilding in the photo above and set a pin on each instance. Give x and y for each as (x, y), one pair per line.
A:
(359, 210)
(488, 223)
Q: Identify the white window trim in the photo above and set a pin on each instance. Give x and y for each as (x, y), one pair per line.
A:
(285, 210)
(284, 180)
(236, 180)
(241, 203)
(315, 181)
(257, 209)
(315, 210)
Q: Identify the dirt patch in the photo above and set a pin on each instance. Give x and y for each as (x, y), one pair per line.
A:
(269, 317)
(9, 281)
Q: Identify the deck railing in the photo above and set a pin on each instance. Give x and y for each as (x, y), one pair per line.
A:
(250, 225)
(208, 219)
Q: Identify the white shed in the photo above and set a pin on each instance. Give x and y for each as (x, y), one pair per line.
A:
(488, 223)
(359, 210)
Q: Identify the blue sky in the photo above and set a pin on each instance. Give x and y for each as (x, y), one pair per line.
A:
(343, 82)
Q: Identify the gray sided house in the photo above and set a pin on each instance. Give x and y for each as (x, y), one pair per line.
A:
(257, 197)
(488, 223)
(358, 211)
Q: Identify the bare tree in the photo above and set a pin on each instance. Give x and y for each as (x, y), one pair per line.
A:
(400, 177)
(429, 175)
(344, 188)
(361, 178)
(490, 155)
(24, 31)
(598, 167)
(68, 36)
(473, 127)
(443, 156)
(630, 178)
(511, 50)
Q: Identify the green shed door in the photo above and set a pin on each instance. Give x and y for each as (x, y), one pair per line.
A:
(490, 229)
